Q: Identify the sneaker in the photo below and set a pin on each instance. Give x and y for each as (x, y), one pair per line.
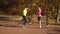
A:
(40, 26)
(24, 27)
(30, 23)
(48, 25)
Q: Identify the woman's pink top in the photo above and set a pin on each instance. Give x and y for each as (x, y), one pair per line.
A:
(39, 12)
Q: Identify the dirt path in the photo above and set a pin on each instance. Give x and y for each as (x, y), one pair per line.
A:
(20, 30)
(31, 29)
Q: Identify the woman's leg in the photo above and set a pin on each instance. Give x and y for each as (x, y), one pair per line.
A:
(39, 21)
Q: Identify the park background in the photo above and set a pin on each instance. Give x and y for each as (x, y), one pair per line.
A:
(15, 8)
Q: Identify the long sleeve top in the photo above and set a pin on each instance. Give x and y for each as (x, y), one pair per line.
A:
(39, 12)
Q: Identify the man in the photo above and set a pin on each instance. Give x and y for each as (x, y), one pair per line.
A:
(24, 17)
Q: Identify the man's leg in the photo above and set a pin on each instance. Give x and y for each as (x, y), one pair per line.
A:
(24, 21)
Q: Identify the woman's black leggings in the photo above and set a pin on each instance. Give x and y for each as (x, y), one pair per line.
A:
(39, 18)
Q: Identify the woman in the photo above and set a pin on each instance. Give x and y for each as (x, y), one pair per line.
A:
(39, 16)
